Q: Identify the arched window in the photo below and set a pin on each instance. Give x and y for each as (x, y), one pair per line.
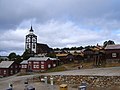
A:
(27, 45)
(33, 45)
(28, 40)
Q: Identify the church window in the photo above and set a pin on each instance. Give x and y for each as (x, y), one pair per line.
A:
(28, 46)
(33, 46)
(34, 40)
(28, 40)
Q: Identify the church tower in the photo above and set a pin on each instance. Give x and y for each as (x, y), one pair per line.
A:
(31, 42)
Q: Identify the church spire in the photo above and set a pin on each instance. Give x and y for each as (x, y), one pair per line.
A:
(31, 30)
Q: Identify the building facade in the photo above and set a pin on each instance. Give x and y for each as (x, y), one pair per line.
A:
(8, 68)
(112, 53)
(39, 64)
(24, 66)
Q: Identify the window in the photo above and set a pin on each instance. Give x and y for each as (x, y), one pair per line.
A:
(54, 65)
(24, 66)
(16, 66)
(16, 71)
(28, 40)
(42, 62)
(4, 71)
(35, 66)
(42, 66)
(49, 66)
(34, 40)
(36, 62)
(29, 62)
(33, 45)
(11, 72)
(114, 54)
(27, 45)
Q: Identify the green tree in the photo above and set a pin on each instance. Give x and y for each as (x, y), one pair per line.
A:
(26, 55)
(12, 56)
(110, 42)
(18, 58)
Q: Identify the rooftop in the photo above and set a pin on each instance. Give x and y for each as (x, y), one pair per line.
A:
(40, 58)
(6, 64)
(113, 46)
(24, 62)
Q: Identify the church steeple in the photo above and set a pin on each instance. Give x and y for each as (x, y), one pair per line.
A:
(31, 30)
(31, 41)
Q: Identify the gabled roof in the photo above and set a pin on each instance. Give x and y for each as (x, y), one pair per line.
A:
(24, 62)
(61, 55)
(6, 64)
(113, 46)
(38, 58)
(41, 58)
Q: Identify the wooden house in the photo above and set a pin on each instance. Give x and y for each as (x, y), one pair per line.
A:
(112, 53)
(24, 66)
(8, 68)
(42, 63)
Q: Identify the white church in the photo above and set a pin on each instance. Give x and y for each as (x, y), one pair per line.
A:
(33, 47)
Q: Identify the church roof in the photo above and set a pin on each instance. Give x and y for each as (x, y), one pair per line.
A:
(43, 48)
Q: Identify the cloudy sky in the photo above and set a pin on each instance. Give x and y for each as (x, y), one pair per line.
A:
(58, 23)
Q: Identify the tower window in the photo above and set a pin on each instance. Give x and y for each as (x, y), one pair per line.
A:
(28, 40)
(28, 46)
(34, 40)
(33, 46)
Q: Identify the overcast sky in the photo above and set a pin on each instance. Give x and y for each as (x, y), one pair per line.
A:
(58, 23)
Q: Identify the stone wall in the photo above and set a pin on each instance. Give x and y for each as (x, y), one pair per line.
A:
(92, 81)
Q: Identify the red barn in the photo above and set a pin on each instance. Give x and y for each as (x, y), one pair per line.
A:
(8, 68)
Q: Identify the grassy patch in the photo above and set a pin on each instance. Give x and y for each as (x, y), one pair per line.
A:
(57, 69)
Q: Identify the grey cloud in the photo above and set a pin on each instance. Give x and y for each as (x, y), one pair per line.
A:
(58, 23)
(13, 12)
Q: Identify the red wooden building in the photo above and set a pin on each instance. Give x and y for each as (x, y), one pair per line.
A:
(112, 53)
(39, 63)
(24, 66)
(8, 68)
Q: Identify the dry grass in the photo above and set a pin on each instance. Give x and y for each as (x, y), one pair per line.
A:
(112, 65)
(57, 69)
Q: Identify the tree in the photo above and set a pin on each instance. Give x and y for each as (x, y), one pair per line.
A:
(12, 56)
(26, 55)
(110, 42)
(18, 58)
